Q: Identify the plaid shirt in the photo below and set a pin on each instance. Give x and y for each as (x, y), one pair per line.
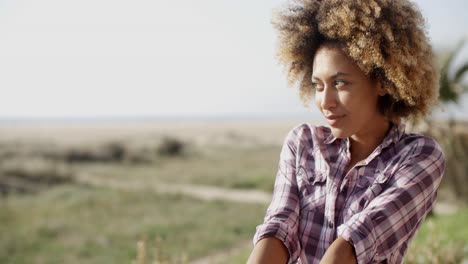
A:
(377, 206)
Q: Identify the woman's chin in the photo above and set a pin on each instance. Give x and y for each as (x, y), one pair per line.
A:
(339, 132)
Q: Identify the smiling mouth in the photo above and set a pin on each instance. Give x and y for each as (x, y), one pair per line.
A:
(333, 119)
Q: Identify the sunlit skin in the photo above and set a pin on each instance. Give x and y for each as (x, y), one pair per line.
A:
(347, 98)
(269, 250)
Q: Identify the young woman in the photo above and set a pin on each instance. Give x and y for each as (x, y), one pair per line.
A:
(357, 190)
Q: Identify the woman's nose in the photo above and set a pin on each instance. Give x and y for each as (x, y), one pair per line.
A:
(328, 99)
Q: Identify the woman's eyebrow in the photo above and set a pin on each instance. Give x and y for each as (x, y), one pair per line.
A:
(337, 74)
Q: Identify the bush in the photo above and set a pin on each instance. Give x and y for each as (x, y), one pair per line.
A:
(171, 146)
(22, 175)
(455, 145)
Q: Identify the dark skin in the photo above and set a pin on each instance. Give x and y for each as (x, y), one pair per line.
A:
(340, 251)
(347, 97)
(271, 250)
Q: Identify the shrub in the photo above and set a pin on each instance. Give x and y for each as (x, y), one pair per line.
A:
(171, 146)
(455, 145)
(25, 175)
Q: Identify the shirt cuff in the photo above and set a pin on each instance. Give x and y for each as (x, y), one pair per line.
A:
(283, 232)
(362, 239)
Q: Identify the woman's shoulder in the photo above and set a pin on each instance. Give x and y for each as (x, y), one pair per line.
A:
(306, 132)
(413, 144)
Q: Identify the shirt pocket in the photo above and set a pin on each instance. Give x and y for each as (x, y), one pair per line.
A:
(378, 185)
(367, 188)
(312, 188)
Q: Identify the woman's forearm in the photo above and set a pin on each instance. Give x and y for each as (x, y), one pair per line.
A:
(269, 250)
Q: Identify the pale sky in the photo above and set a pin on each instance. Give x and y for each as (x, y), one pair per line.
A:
(101, 58)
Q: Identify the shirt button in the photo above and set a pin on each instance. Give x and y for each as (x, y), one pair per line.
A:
(330, 224)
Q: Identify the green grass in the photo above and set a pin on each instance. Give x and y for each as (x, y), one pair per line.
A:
(241, 257)
(77, 224)
(441, 239)
(229, 167)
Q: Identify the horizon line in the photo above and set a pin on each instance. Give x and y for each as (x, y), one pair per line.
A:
(167, 118)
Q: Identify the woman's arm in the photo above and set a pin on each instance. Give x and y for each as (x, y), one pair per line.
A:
(279, 231)
(339, 252)
(393, 217)
(269, 250)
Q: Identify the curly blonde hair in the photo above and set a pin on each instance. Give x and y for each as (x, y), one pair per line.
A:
(386, 38)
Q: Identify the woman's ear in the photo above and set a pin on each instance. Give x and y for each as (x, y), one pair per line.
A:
(380, 89)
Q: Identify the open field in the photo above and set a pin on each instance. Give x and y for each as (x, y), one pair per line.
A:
(202, 132)
(82, 224)
(88, 193)
(244, 168)
(70, 221)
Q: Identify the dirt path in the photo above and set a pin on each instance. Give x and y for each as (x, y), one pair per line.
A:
(201, 192)
(206, 193)
(210, 193)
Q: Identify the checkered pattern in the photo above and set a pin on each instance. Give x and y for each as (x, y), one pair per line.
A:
(377, 206)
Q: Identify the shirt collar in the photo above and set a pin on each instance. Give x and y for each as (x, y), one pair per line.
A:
(393, 136)
(330, 138)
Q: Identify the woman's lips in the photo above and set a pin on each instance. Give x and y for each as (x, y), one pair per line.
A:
(333, 119)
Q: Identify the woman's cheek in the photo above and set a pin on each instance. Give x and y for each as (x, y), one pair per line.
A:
(317, 100)
(347, 100)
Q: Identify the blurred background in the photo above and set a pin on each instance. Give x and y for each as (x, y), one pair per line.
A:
(150, 131)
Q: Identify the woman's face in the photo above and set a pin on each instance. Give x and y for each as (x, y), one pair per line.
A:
(344, 94)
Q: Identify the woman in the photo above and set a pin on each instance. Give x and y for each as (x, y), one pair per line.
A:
(357, 190)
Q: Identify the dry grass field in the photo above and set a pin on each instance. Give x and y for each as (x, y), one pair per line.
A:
(90, 192)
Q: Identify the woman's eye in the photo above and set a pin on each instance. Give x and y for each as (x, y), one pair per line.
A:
(340, 83)
(316, 86)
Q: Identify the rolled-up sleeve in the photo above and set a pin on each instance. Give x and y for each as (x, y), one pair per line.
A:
(281, 219)
(394, 216)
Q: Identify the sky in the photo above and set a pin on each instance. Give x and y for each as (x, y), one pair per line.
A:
(116, 58)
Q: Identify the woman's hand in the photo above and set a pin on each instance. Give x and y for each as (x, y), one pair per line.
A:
(340, 251)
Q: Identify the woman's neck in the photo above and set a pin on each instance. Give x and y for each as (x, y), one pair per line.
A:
(363, 144)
